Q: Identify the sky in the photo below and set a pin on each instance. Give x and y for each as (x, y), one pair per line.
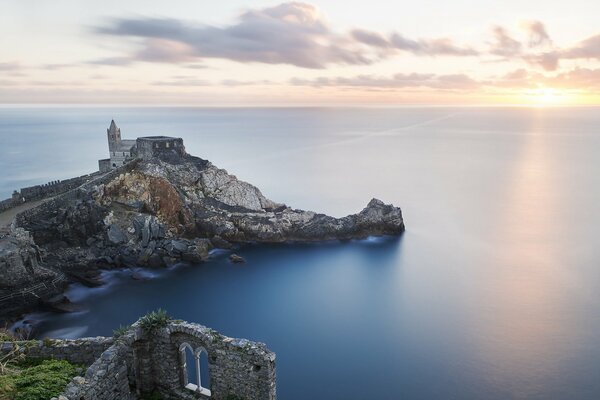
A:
(327, 52)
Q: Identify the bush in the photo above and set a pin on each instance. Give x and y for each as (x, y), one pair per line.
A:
(40, 380)
(120, 331)
(155, 320)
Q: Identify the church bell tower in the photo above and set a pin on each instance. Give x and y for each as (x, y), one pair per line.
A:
(114, 136)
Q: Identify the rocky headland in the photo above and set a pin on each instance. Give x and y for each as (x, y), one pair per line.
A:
(154, 213)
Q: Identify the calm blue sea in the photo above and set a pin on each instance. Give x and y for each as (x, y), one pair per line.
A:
(493, 292)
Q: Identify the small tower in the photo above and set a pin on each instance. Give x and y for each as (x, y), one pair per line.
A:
(114, 136)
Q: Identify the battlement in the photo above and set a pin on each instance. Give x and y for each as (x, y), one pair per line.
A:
(45, 190)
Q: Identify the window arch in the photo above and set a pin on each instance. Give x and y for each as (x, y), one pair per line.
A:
(202, 370)
(194, 369)
(188, 367)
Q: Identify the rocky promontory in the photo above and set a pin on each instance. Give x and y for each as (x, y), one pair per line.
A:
(156, 213)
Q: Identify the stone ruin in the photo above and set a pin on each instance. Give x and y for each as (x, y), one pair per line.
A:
(140, 362)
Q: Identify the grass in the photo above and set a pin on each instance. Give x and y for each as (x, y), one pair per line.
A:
(37, 379)
(155, 320)
(120, 331)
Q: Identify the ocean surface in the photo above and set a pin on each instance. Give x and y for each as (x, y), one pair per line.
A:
(493, 291)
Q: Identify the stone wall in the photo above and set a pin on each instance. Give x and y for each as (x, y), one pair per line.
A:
(108, 378)
(156, 146)
(77, 351)
(59, 201)
(104, 165)
(46, 190)
(7, 204)
(139, 363)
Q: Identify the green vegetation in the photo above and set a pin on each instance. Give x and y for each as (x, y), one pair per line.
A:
(9, 359)
(36, 379)
(120, 331)
(155, 320)
(152, 396)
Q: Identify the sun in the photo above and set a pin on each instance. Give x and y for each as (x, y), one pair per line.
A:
(548, 96)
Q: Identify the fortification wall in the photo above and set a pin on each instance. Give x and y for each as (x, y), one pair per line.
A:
(49, 189)
(7, 204)
(81, 193)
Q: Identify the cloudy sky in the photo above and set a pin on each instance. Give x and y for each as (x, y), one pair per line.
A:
(325, 52)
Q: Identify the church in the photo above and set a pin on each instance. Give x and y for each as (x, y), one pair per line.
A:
(123, 150)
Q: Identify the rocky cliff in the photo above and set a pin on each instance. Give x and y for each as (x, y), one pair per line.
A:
(162, 211)
(23, 278)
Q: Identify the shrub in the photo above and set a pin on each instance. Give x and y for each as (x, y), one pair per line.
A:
(40, 381)
(155, 320)
(120, 331)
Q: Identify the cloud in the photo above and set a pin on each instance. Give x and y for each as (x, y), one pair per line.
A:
(395, 41)
(397, 81)
(539, 52)
(504, 45)
(537, 33)
(579, 78)
(10, 66)
(112, 61)
(588, 48)
(548, 60)
(289, 33)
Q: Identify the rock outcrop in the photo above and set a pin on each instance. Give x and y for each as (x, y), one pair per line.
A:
(24, 282)
(195, 198)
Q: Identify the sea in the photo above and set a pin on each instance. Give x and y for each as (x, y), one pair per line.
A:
(493, 291)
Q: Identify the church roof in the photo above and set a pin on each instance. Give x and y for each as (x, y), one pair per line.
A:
(113, 127)
(126, 145)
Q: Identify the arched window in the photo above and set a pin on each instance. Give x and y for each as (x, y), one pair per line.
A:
(194, 369)
(189, 370)
(203, 371)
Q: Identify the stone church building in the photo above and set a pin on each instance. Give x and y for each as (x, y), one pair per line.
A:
(123, 150)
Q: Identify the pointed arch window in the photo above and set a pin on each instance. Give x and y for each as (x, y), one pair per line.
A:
(194, 369)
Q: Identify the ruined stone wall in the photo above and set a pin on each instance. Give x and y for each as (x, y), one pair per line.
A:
(77, 351)
(108, 378)
(238, 368)
(154, 146)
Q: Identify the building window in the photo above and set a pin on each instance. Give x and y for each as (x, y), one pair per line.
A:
(194, 369)
(167, 145)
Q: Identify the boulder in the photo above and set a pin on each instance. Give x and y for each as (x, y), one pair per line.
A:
(235, 259)
(116, 235)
